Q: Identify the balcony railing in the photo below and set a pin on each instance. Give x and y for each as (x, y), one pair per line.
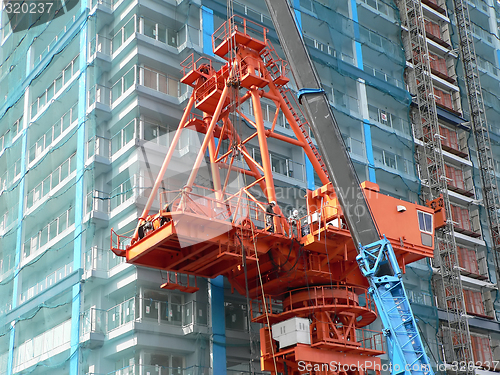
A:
(161, 82)
(354, 146)
(386, 118)
(145, 310)
(9, 176)
(381, 6)
(125, 135)
(98, 146)
(51, 45)
(55, 86)
(99, 94)
(32, 350)
(393, 161)
(124, 33)
(163, 370)
(384, 76)
(48, 233)
(97, 200)
(67, 119)
(52, 181)
(93, 321)
(100, 44)
(49, 281)
(101, 259)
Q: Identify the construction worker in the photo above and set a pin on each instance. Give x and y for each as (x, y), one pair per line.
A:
(293, 221)
(270, 216)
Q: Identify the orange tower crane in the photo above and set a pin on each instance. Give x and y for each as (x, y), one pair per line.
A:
(309, 273)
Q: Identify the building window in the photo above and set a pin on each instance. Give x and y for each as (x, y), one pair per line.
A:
(425, 222)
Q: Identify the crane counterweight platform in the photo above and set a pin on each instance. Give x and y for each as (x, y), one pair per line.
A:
(334, 267)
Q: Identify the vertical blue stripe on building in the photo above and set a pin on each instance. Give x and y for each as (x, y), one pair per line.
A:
(79, 197)
(309, 166)
(218, 325)
(20, 215)
(359, 53)
(369, 150)
(208, 29)
(366, 123)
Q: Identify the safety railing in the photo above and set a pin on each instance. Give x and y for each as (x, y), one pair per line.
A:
(46, 283)
(190, 64)
(108, 3)
(240, 24)
(69, 118)
(203, 201)
(373, 340)
(253, 13)
(481, 34)
(10, 175)
(6, 220)
(141, 309)
(158, 31)
(123, 192)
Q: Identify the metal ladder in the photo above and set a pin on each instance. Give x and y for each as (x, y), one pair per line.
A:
(288, 97)
(432, 169)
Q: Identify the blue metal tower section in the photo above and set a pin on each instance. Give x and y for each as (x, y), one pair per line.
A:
(379, 265)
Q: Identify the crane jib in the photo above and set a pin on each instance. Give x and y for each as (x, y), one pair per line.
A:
(339, 166)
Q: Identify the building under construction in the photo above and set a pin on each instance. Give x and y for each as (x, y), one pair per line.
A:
(90, 107)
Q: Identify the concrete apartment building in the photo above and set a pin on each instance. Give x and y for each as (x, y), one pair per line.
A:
(88, 102)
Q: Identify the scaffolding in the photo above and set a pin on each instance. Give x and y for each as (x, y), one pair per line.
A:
(479, 125)
(432, 168)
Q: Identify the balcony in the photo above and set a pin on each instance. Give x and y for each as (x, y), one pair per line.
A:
(100, 262)
(58, 178)
(54, 41)
(46, 283)
(50, 233)
(55, 88)
(146, 311)
(387, 119)
(10, 176)
(54, 134)
(393, 162)
(384, 76)
(163, 370)
(43, 346)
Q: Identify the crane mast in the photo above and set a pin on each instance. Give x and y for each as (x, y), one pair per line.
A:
(314, 282)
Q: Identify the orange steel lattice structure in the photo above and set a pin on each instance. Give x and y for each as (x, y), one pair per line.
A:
(310, 272)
